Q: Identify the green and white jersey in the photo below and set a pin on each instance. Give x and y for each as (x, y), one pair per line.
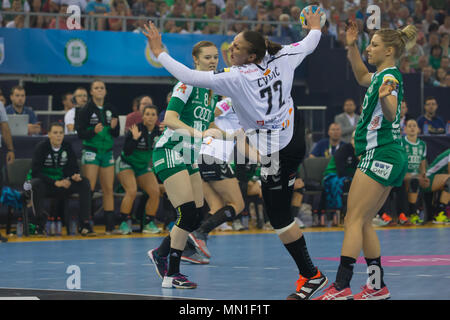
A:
(373, 130)
(440, 164)
(196, 109)
(417, 152)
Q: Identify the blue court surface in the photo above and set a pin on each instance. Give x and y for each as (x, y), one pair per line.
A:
(244, 266)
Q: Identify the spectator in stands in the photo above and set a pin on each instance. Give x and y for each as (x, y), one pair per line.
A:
(177, 12)
(67, 101)
(429, 20)
(428, 76)
(361, 13)
(163, 9)
(210, 12)
(17, 106)
(445, 28)
(37, 21)
(433, 40)
(447, 81)
(404, 116)
(404, 66)
(295, 17)
(287, 32)
(136, 116)
(79, 100)
(139, 7)
(151, 10)
(98, 7)
(440, 77)
(347, 120)
(2, 98)
(445, 63)
(250, 11)
(435, 57)
(5, 135)
(445, 41)
(430, 123)
(80, 3)
(119, 8)
(418, 11)
(326, 147)
(199, 13)
(55, 171)
(230, 13)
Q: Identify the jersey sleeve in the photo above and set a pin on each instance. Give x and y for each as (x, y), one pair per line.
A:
(299, 50)
(182, 91)
(224, 82)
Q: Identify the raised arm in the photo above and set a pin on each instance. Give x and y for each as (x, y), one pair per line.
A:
(362, 75)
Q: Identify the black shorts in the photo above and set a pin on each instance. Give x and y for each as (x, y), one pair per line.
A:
(288, 160)
(212, 169)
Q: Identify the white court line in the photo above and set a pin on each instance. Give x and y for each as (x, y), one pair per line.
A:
(241, 267)
(271, 268)
(424, 275)
(88, 262)
(24, 261)
(118, 263)
(19, 298)
(56, 262)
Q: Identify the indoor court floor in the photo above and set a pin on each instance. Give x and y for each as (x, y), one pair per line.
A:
(249, 265)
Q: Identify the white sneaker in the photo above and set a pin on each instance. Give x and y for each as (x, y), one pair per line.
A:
(224, 227)
(378, 222)
(237, 225)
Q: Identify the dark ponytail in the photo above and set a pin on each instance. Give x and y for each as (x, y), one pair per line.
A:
(272, 47)
(259, 45)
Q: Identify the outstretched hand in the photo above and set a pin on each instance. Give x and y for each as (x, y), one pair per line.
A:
(313, 19)
(154, 38)
(351, 33)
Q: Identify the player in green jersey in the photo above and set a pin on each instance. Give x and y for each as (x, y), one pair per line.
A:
(188, 117)
(438, 174)
(98, 125)
(383, 161)
(134, 169)
(416, 150)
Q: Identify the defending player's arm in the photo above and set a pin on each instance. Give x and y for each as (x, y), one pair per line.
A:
(362, 75)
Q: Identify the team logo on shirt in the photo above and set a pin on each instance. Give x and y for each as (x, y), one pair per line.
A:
(375, 123)
(182, 88)
(76, 52)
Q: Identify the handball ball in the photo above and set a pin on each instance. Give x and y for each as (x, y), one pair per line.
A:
(323, 18)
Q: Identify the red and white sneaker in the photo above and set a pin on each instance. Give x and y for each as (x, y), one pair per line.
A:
(369, 293)
(332, 293)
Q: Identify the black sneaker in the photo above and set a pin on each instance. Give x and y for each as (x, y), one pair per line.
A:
(86, 231)
(160, 263)
(307, 287)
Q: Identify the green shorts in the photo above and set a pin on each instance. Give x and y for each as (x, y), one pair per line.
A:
(138, 171)
(428, 189)
(386, 164)
(102, 159)
(167, 162)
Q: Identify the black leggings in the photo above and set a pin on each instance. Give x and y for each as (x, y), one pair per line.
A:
(278, 186)
(42, 189)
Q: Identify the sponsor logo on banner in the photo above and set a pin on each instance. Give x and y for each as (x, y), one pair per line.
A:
(381, 169)
(151, 57)
(76, 52)
(2, 50)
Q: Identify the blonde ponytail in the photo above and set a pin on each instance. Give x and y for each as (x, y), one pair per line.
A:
(409, 35)
(401, 40)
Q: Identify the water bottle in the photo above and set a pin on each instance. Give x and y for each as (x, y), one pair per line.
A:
(73, 226)
(52, 227)
(425, 128)
(19, 227)
(48, 226)
(58, 226)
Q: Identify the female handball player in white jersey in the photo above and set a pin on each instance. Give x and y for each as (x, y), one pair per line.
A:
(259, 83)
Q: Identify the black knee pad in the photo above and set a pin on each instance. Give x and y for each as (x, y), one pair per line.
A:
(187, 216)
(447, 185)
(413, 185)
(278, 207)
